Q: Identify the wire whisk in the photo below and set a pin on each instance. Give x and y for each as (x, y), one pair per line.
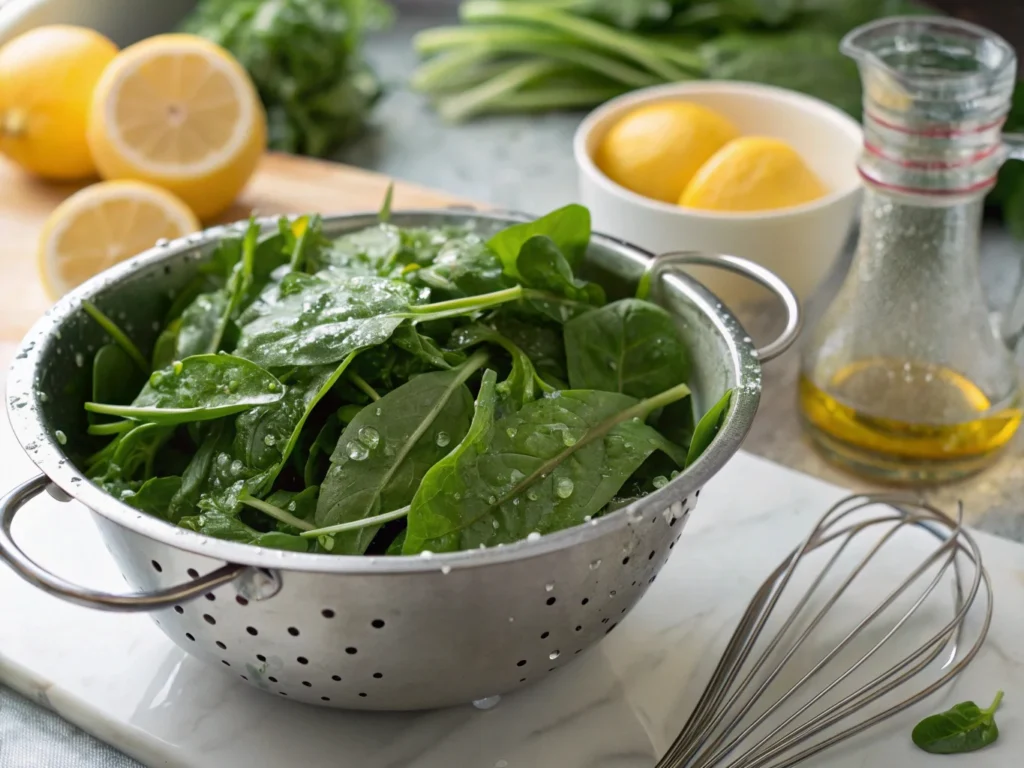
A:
(751, 716)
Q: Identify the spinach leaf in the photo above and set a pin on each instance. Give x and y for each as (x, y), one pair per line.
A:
(962, 728)
(568, 228)
(630, 346)
(116, 378)
(198, 388)
(225, 526)
(323, 323)
(395, 548)
(707, 428)
(523, 381)
(194, 477)
(301, 504)
(199, 325)
(387, 448)
(119, 336)
(304, 241)
(463, 267)
(541, 265)
(318, 459)
(546, 467)
(541, 341)
(166, 346)
(155, 496)
(133, 454)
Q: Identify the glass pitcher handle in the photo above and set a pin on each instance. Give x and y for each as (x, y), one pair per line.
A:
(1009, 327)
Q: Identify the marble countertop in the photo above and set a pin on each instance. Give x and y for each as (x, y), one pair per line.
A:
(526, 164)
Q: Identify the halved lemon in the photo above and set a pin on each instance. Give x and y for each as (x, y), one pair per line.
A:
(104, 224)
(180, 112)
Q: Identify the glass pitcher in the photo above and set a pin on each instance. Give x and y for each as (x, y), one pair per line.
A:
(909, 377)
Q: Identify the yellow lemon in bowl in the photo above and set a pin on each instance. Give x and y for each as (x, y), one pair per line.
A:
(180, 112)
(753, 173)
(655, 150)
(47, 78)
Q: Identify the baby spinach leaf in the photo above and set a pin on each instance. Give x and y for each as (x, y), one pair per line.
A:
(568, 227)
(194, 477)
(119, 336)
(523, 381)
(463, 267)
(301, 504)
(304, 241)
(707, 428)
(155, 496)
(962, 728)
(166, 346)
(198, 388)
(387, 448)
(543, 468)
(395, 548)
(540, 340)
(116, 378)
(630, 346)
(424, 348)
(199, 325)
(318, 459)
(324, 322)
(133, 454)
(228, 527)
(541, 265)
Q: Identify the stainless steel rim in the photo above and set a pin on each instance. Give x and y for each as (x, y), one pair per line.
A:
(49, 457)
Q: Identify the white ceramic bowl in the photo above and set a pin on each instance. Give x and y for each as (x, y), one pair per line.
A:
(799, 244)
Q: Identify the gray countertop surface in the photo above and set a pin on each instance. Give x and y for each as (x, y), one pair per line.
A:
(525, 163)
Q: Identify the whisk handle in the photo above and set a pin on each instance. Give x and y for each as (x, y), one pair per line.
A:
(38, 576)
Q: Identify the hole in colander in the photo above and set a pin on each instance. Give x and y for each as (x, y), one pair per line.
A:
(612, 593)
(695, 495)
(225, 662)
(362, 695)
(613, 626)
(545, 635)
(325, 698)
(178, 609)
(672, 545)
(244, 678)
(241, 600)
(302, 660)
(351, 651)
(551, 669)
(551, 601)
(272, 679)
(377, 623)
(156, 566)
(307, 683)
(521, 663)
(672, 522)
(193, 573)
(578, 650)
(605, 620)
(189, 636)
(584, 601)
(221, 645)
(282, 693)
(652, 579)
(209, 619)
(210, 596)
(252, 631)
(651, 556)
(261, 657)
(327, 613)
(625, 560)
(293, 631)
(336, 678)
(579, 627)
(377, 675)
(522, 679)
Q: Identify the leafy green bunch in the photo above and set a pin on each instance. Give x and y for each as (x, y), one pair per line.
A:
(305, 58)
(395, 390)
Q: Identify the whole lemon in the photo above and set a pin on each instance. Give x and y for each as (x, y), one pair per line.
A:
(753, 173)
(47, 77)
(656, 149)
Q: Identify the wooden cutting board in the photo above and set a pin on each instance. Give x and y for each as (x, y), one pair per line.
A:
(283, 184)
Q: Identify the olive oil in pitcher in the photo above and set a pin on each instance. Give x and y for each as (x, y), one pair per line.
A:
(907, 378)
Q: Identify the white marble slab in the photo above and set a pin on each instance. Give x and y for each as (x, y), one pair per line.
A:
(619, 706)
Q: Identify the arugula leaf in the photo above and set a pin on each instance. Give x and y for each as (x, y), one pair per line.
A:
(388, 446)
(630, 346)
(568, 228)
(962, 728)
(198, 388)
(707, 428)
(543, 468)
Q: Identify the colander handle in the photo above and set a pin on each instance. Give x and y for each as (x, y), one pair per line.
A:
(794, 318)
(35, 574)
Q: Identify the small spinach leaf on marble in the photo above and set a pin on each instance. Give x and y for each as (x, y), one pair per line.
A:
(629, 346)
(543, 468)
(387, 448)
(708, 427)
(962, 728)
(199, 388)
(568, 227)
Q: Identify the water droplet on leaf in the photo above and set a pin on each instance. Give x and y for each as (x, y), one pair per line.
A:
(564, 487)
(61, 437)
(369, 437)
(534, 536)
(660, 481)
(356, 451)
(443, 438)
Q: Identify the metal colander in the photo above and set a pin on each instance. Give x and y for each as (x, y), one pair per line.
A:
(371, 632)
